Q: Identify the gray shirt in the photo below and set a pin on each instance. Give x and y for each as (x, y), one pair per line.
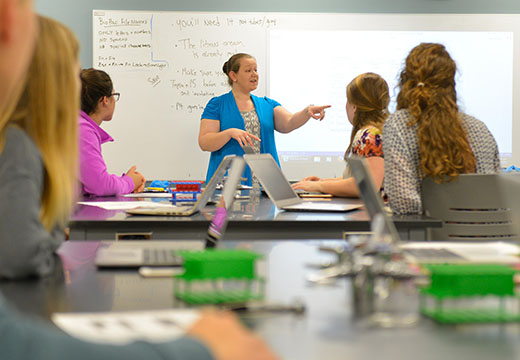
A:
(23, 339)
(26, 247)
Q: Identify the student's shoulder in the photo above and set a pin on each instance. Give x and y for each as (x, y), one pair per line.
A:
(399, 116)
(472, 124)
(87, 125)
(398, 121)
(89, 132)
(17, 139)
(369, 131)
(368, 142)
(19, 148)
(369, 134)
(469, 119)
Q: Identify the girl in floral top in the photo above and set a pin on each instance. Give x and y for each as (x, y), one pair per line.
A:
(367, 110)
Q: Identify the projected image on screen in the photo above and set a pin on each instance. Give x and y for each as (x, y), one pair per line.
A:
(297, 77)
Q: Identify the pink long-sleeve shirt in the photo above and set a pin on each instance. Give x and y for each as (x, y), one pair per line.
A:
(94, 176)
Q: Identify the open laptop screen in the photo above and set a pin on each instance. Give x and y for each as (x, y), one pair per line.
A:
(371, 197)
(271, 177)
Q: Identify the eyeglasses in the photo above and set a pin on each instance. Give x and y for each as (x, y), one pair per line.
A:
(116, 96)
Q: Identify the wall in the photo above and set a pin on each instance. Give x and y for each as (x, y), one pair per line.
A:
(78, 14)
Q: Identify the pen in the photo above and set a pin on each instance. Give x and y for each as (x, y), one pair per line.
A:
(156, 189)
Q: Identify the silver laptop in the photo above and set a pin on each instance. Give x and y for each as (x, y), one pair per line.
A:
(188, 210)
(280, 191)
(370, 196)
(428, 252)
(143, 253)
(163, 253)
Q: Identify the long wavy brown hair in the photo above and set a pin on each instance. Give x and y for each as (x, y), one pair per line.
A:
(427, 89)
(369, 93)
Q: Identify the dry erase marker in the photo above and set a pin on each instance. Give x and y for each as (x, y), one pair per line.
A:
(217, 226)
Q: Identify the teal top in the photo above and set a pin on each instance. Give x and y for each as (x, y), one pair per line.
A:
(24, 339)
(225, 109)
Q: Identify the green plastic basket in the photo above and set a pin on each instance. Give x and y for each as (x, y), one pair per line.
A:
(219, 276)
(470, 294)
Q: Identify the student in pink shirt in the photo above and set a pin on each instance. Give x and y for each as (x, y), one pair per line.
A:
(98, 101)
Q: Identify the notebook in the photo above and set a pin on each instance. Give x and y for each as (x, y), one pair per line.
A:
(188, 210)
(428, 252)
(163, 253)
(280, 191)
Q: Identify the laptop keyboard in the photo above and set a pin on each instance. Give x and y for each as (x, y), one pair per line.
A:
(160, 257)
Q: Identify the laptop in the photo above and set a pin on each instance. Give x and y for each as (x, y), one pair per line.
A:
(280, 191)
(122, 254)
(125, 254)
(428, 252)
(187, 210)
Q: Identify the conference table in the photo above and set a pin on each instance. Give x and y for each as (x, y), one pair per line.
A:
(250, 219)
(328, 329)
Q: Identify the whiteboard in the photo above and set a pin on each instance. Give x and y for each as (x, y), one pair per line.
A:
(167, 65)
(483, 81)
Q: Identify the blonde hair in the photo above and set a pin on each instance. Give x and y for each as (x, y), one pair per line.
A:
(428, 90)
(369, 93)
(8, 106)
(47, 111)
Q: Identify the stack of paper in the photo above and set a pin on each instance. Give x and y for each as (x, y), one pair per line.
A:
(125, 205)
(125, 327)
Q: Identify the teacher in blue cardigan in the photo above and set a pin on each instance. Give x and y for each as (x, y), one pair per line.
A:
(237, 119)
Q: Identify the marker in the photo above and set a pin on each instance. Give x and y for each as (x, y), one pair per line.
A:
(155, 189)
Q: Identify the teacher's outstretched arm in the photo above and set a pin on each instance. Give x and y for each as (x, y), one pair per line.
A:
(212, 139)
(286, 122)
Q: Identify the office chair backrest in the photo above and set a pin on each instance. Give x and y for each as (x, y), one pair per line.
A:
(472, 207)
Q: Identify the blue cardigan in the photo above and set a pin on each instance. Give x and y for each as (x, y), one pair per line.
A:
(225, 109)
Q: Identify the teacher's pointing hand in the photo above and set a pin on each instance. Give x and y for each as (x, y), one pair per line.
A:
(317, 111)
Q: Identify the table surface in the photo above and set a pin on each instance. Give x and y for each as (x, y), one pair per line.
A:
(328, 329)
(252, 219)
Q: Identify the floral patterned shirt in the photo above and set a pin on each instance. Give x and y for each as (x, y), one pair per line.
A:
(252, 126)
(367, 142)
